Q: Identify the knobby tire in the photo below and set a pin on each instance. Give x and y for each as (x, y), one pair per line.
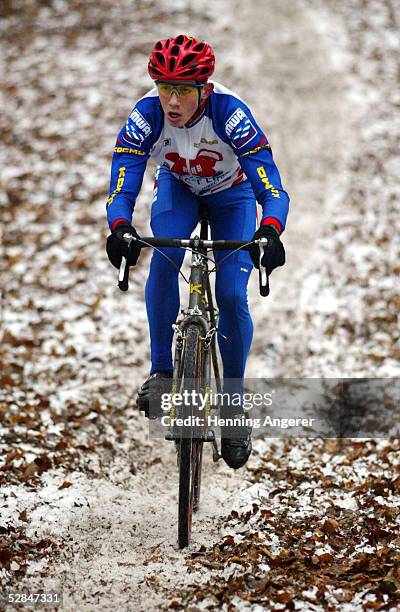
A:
(190, 452)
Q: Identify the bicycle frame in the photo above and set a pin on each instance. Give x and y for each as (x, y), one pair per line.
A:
(200, 312)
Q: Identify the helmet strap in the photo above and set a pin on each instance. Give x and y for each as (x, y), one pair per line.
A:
(197, 113)
(199, 100)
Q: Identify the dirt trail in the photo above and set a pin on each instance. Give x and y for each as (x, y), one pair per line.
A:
(124, 547)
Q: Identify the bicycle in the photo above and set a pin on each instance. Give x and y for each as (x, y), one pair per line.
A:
(195, 352)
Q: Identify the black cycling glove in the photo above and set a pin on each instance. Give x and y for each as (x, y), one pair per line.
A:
(274, 253)
(117, 247)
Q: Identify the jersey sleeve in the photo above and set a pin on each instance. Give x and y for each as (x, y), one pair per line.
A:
(240, 130)
(131, 153)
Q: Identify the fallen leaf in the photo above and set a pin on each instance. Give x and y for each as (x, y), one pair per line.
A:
(65, 485)
(330, 526)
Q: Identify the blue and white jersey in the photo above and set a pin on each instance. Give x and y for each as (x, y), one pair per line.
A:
(223, 147)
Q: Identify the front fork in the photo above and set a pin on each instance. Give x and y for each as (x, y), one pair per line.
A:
(196, 314)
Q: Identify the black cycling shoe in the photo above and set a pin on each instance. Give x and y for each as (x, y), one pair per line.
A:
(236, 450)
(149, 394)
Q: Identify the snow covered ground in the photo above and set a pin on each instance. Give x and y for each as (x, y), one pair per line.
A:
(349, 305)
(88, 502)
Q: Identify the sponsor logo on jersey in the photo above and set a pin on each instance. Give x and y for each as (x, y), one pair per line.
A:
(205, 141)
(263, 176)
(257, 149)
(128, 150)
(166, 142)
(202, 165)
(121, 179)
(136, 129)
(240, 129)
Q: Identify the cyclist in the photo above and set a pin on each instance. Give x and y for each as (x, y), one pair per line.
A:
(211, 152)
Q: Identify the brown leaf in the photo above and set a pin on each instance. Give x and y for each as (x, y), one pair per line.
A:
(236, 559)
(213, 564)
(257, 584)
(45, 543)
(23, 516)
(330, 526)
(229, 541)
(389, 585)
(65, 485)
(372, 605)
(283, 558)
(30, 469)
(5, 557)
(320, 559)
(265, 551)
(152, 559)
(61, 445)
(44, 463)
(284, 597)
(246, 517)
(154, 461)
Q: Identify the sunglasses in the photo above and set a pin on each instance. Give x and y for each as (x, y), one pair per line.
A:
(181, 90)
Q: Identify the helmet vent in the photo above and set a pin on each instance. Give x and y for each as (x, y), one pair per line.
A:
(160, 58)
(189, 43)
(158, 46)
(175, 50)
(179, 39)
(188, 59)
(189, 72)
(172, 63)
(199, 47)
(204, 71)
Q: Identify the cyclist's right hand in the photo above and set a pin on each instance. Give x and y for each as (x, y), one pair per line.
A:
(117, 247)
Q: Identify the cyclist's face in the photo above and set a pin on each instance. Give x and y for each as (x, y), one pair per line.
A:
(179, 102)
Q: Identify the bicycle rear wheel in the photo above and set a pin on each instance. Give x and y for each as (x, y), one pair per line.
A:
(190, 451)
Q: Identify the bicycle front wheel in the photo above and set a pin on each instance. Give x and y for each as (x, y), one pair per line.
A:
(190, 451)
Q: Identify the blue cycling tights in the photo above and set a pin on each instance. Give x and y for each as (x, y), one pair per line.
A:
(175, 214)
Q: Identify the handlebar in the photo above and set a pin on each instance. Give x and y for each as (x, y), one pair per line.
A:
(189, 243)
(194, 243)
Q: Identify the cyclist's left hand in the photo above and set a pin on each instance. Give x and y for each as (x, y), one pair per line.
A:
(117, 247)
(274, 252)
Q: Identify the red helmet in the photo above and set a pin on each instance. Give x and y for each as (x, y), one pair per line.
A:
(182, 58)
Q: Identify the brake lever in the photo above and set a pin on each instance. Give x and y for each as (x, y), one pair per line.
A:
(123, 274)
(262, 272)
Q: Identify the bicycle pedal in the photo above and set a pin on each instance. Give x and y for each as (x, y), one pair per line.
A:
(209, 436)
